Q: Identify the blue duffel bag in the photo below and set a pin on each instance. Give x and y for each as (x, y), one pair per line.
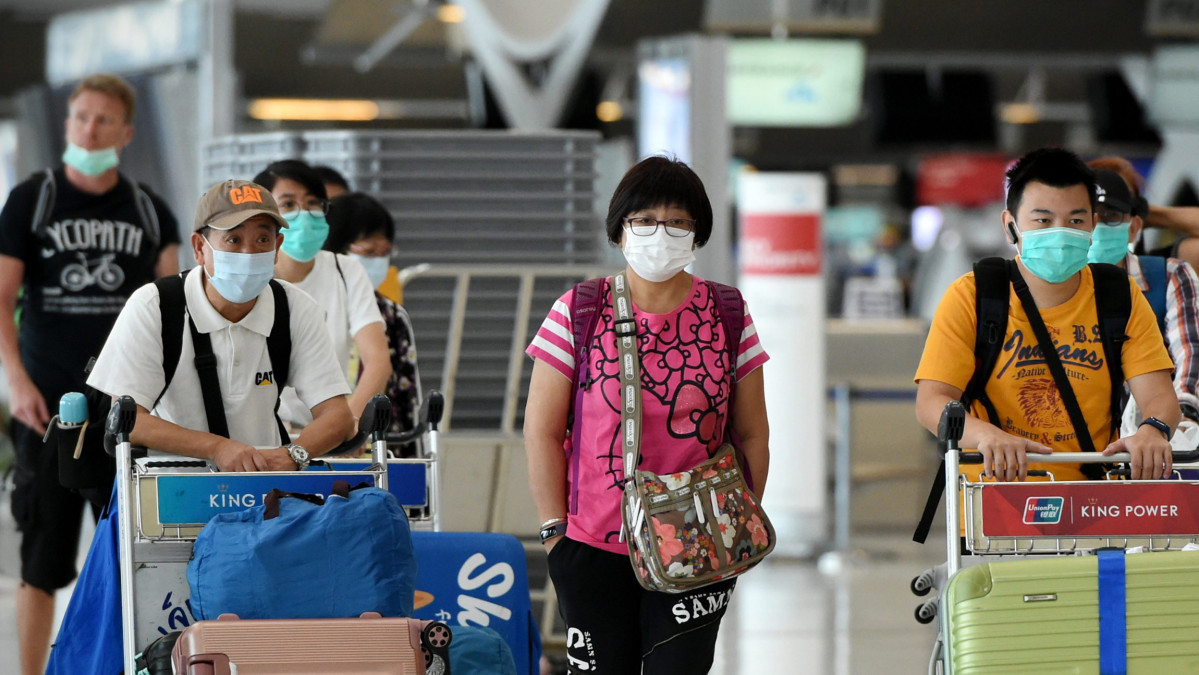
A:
(303, 556)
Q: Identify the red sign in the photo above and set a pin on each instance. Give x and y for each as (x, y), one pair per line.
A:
(967, 180)
(785, 244)
(1098, 509)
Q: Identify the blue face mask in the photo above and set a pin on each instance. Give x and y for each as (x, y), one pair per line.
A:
(376, 267)
(90, 162)
(1109, 243)
(240, 277)
(306, 234)
(1055, 253)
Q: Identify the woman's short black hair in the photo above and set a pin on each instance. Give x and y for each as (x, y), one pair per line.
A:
(353, 216)
(292, 169)
(660, 181)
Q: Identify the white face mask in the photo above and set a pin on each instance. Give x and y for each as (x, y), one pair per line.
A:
(659, 256)
(376, 267)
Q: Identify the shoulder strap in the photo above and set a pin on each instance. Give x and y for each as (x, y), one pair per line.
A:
(630, 385)
(46, 195)
(278, 346)
(278, 343)
(171, 305)
(210, 384)
(1153, 269)
(992, 291)
(1113, 306)
(584, 314)
(147, 212)
(730, 305)
(1052, 360)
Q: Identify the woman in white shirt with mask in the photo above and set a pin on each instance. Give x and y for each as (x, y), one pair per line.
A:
(337, 282)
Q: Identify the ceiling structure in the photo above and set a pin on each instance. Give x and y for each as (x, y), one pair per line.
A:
(309, 48)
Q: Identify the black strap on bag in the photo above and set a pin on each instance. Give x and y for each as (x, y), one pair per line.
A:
(210, 385)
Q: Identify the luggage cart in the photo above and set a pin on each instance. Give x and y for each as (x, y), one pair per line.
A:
(163, 504)
(1009, 521)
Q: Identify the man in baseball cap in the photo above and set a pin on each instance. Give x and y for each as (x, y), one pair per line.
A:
(1170, 286)
(232, 304)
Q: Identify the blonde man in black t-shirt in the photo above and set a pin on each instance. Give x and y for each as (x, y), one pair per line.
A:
(77, 259)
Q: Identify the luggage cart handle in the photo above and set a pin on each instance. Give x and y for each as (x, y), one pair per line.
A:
(1180, 457)
(430, 417)
(376, 416)
(121, 418)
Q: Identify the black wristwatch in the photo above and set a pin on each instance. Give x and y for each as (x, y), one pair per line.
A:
(551, 531)
(1159, 425)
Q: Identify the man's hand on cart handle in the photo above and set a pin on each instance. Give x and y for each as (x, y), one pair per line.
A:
(236, 456)
(1005, 457)
(1149, 454)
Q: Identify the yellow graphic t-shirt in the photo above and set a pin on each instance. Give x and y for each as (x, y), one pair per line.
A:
(1021, 387)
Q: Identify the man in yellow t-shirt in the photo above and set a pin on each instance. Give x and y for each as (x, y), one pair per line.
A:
(1049, 217)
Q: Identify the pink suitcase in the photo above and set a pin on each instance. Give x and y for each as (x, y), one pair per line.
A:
(369, 644)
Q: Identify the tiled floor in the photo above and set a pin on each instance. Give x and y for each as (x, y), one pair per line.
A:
(788, 616)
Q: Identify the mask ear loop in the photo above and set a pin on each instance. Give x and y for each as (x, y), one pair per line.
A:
(1011, 228)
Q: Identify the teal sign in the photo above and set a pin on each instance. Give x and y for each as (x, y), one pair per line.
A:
(195, 499)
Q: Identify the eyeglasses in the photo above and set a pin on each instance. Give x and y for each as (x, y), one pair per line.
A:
(675, 227)
(316, 207)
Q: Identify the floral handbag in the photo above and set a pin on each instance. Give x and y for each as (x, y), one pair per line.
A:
(688, 529)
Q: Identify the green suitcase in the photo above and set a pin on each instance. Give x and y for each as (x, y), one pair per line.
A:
(1041, 615)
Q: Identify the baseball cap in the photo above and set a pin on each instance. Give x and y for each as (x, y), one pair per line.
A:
(230, 203)
(1112, 191)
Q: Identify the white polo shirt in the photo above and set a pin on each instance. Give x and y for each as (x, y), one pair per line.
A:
(131, 361)
(348, 302)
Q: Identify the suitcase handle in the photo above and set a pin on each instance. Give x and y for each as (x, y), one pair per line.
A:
(207, 664)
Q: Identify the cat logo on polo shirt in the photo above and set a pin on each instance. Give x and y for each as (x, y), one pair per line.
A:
(264, 379)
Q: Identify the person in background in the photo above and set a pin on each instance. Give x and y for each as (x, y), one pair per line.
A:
(691, 387)
(338, 283)
(77, 258)
(1049, 217)
(365, 230)
(1169, 284)
(361, 226)
(335, 183)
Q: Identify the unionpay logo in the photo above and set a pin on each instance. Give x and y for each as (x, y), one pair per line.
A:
(1043, 510)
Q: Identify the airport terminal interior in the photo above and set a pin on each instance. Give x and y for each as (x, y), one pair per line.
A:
(853, 151)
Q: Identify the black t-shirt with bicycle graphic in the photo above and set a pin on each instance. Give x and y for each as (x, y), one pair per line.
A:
(81, 263)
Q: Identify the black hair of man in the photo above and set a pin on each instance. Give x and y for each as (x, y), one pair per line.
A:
(353, 216)
(660, 181)
(1054, 167)
(292, 169)
(331, 176)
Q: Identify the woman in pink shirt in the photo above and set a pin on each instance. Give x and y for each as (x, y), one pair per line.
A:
(696, 386)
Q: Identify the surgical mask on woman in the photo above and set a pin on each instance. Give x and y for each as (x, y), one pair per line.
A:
(90, 162)
(376, 267)
(240, 277)
(1109, 243)
(1055, 253)
(306, 232)
(659, 256)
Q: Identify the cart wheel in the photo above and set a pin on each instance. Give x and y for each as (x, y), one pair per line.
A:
(435, 640)
(922, 584)
(926, 611)
(436, 635)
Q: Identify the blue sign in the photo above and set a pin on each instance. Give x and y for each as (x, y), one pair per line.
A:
(478, 579)
(187, 499)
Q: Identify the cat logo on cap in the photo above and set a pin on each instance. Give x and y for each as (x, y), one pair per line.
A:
(241, 195)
